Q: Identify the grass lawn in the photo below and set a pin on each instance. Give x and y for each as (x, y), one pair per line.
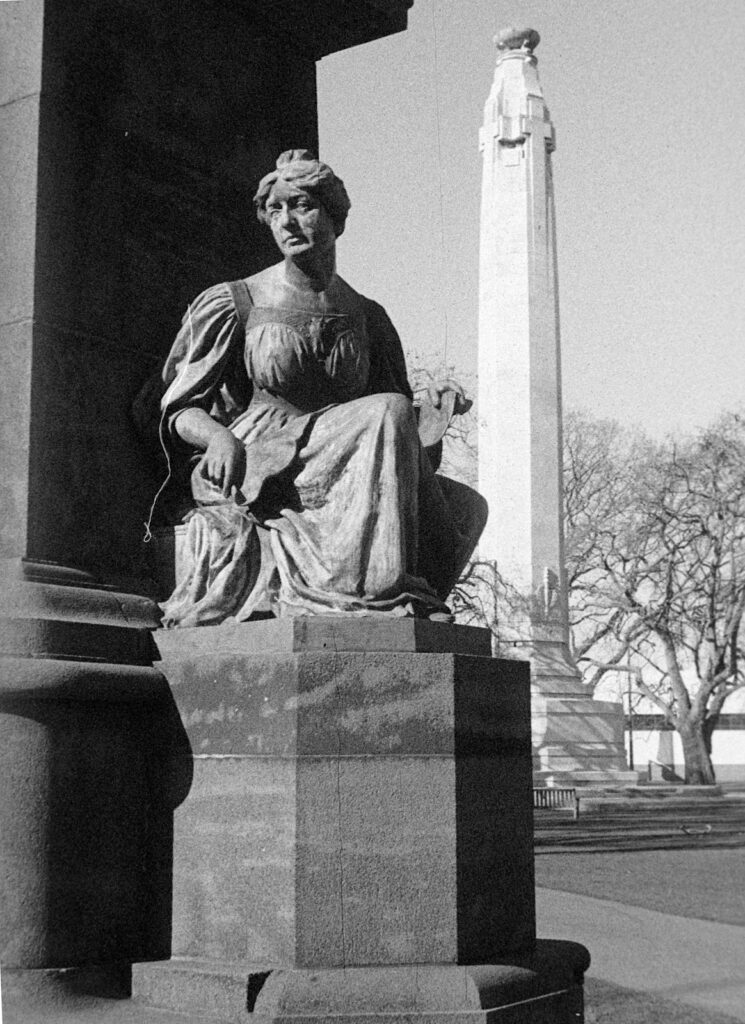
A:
(702, 883)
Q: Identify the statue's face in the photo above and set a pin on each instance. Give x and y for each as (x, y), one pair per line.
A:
(299, 223)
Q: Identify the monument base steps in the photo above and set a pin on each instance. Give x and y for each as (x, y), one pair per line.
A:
(581, 778)
(542, 988)
(577, 741)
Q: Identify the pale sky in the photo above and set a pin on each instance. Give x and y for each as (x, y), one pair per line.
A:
(647, 98)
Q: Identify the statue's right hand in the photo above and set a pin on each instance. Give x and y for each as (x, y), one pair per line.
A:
(224, 462)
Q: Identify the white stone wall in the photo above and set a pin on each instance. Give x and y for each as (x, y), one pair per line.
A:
(728, 752)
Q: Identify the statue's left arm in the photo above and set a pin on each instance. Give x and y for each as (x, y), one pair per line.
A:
(387, 362)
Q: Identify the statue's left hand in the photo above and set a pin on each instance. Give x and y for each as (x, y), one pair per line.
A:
(437, 389)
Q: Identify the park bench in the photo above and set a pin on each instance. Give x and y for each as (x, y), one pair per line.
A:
(556, 798)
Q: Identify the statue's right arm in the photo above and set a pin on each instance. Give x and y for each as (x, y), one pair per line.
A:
(195, 372)
(224, 460)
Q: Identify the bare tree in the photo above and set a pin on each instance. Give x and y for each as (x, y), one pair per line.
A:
(656, 566)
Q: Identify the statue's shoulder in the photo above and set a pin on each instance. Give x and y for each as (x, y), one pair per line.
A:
(264, 278)
(265, 287)
(370, 309)
(377, 318)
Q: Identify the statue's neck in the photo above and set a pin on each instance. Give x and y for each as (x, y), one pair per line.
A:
(313, 275)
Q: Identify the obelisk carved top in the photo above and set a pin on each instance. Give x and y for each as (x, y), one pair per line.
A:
(511, 39)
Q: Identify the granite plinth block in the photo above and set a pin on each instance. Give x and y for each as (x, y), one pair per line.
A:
(544, 987)
(326, 633)
(350, 806)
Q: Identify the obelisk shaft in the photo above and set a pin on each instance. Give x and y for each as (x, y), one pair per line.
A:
(575, 738)
(520, 470)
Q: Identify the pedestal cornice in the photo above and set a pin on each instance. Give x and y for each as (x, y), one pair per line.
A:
(321, 27)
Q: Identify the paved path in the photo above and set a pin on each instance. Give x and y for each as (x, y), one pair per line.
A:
(700, 963)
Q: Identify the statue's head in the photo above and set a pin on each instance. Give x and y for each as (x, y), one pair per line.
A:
(300, 170)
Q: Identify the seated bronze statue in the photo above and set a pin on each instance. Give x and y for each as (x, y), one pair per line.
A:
(313, 493)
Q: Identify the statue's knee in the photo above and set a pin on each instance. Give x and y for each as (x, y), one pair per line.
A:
(480, 512)
(400, 409)
(392, 408)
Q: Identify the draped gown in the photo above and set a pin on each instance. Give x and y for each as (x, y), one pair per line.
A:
(339, 510)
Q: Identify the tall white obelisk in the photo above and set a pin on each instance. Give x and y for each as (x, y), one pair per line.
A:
(520, 444)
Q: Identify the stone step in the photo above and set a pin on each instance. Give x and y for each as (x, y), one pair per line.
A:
(652, 791)
(587, 779)
(223, 991)
(662, 809)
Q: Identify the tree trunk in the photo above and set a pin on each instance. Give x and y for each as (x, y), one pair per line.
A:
(710, 723)
(699, 770)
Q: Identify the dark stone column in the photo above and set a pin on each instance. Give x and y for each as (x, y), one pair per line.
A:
(132, 135)
(154, 121)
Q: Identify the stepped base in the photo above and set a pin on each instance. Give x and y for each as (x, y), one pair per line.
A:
(585, 778)
(542, 988)
(578, 741)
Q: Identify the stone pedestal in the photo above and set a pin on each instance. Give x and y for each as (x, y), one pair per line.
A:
(358, 835)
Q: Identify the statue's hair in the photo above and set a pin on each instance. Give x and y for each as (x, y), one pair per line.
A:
(303, 170)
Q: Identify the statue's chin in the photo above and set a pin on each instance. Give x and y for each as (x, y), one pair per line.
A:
(296, 247)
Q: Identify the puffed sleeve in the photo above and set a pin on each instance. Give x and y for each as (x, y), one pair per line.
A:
(205, 367)
(387, 362)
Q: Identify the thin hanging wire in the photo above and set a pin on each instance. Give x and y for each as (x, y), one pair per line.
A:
(441, 268)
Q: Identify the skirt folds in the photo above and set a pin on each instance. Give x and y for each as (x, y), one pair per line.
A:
(340, 513)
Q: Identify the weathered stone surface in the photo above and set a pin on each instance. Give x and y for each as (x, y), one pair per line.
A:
(347, 703)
